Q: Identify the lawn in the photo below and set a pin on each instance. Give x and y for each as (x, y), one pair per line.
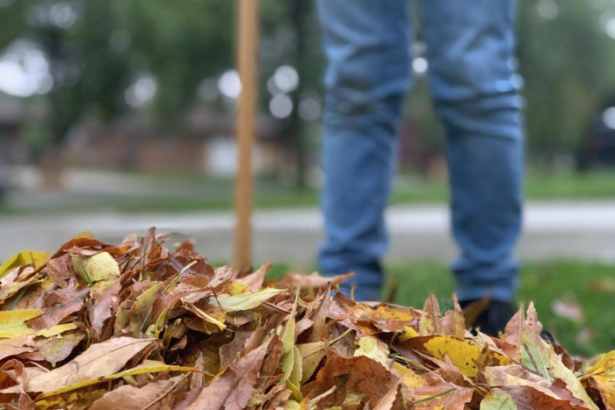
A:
(408, 189)
(194, 192)
(542, 283)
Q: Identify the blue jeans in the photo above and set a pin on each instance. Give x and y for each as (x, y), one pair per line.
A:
(470, 49)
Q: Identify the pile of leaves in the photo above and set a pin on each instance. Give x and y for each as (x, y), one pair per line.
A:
(137, 326)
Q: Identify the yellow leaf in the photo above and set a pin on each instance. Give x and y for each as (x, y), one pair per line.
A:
(140, 313)
(99, 267)
(292, 405)
(559, 371)
(12, 288)
(602, 377)
(461, 352)
(294, 380)
(497, 400)
(288, 343)
(245, 301)
(84, 235)
(37, 259)
(147, 367)
(606, 388)
(297, 373)
(353, 399)
(56, 330)
(374, 349)
(206, 317)
(237, 288)
(311, 355)
(12, 323)
(385, 318)
(606, 366)
(408, 377)
(409, 333)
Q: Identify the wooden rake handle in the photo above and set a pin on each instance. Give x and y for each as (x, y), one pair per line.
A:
(247, 59)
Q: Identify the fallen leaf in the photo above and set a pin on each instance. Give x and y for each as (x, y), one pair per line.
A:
(454, 321)
(438, 395)
(527, 397)
(100, 360)
(104, 297)
(311, 355)
(374, 349)
(390, 400)
(56, 314)
(152, 396)
(431, 320)
(37, 259)
(313, 281)
(232, 389)
(100, 266)
(13, 323)
(140, 315)
(601, 377)
(16, 346)
(245, 301)
(497, 400)
(254, 281)
(57, 348)
(603, 285)
(214, 340)
(568, 309)
(385, 318)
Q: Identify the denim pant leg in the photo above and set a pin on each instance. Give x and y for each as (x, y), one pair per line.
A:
(470, 47)
(367, 46)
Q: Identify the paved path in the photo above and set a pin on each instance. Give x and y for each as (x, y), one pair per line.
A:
(564, 230)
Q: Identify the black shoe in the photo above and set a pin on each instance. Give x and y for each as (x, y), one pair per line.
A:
(489, 316)
(492, 316)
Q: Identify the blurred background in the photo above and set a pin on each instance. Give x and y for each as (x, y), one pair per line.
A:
(119, 115)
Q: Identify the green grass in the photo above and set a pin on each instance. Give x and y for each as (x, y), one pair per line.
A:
(542, 283)
(409, 189)
(191, 192)
(598, 184)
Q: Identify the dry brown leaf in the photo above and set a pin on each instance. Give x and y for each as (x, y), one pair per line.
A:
(238, 346)
(431, 320)
(57, 313)
(100, 360)
(152, 396)
(233, 388)
(568, 309)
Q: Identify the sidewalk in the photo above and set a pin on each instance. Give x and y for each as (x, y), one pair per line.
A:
(583, 230)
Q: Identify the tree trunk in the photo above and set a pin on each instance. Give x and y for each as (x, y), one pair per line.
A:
(52, 165)
(299, 12)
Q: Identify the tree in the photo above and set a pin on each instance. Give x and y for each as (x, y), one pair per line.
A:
(567, 61)
(88, 72)
(180, 45)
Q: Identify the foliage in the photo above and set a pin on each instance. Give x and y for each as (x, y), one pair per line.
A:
(179, 46)
(567, 64)
(566, 59)
(143, 327)
(88, 74)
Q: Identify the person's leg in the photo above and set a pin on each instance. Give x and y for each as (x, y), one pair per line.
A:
(367, 46)
(470, 49)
